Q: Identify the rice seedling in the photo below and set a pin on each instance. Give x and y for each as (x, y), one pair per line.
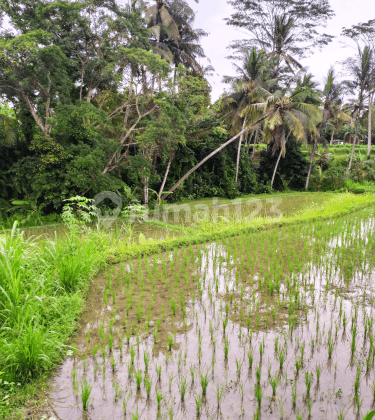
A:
(198, 404)
(192, 373)
(353, 343)
(117, 389)
(158, 372)
(113, 363)
(274, 380)
(219, 395)
(146, 359)
(318, 371)
(299, 416)
(182, 386)
(124, 404)
(298, 364)
(239, 367)
(135, 416)
(74, 380)
(173, 306)
(159, 397)
(258, 394)
(281, 355)
(170, 381)
(86, 389)
(258, 372)
(294, 394)
(358, 402)
(225, 323)
(308, 381)
(170, 342)
(204, 383)
(138, 375)
(110, 342)
(148, 384)
(132, 355)
(226, 348)
(357, 378)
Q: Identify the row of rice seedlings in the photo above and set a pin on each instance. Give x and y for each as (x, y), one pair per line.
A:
(259, 281)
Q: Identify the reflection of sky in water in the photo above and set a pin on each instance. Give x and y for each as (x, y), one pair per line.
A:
(331, 395)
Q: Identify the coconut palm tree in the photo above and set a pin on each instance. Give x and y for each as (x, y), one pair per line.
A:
(173, 36)
(331, 110)
(251, 84)
(292, 115)
(280, 113)
(362, 71)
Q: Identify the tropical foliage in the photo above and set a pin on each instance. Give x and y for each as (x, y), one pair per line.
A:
(100, 96)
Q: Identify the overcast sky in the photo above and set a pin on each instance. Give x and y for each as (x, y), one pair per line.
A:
(210, 15)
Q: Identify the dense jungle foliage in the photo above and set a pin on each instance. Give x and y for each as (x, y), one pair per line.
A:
(101, 96)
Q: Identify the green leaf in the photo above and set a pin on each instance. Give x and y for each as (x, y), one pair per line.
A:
(369, 416)
(19, 202)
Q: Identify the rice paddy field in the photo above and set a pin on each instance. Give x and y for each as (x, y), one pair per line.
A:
(268, 319)
(244, 208)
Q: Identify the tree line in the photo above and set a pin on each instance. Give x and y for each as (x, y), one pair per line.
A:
(101, 95)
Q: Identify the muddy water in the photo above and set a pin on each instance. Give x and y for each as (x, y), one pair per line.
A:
(321, 272)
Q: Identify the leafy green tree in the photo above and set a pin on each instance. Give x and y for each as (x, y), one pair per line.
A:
(287, 29)
(291, 170)
(66, 51)
(174, 122)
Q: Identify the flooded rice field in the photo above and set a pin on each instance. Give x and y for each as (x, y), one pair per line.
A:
(135, 232)
(272, 325)
(244, 208)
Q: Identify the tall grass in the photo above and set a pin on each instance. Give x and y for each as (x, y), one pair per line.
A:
(41, 286)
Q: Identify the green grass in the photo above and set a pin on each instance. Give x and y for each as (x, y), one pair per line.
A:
(42, 289)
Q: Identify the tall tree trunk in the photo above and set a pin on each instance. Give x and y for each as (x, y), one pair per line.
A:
(239, 148)
(354, 143)
(153, 85)
(249, 138)
(180, 181)
(127, 112)
(369, 126)
(276, 166)
(174, 79)
(312, 156)
(145, 191)
(171, 155)
(333, 133)
(255, 142)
